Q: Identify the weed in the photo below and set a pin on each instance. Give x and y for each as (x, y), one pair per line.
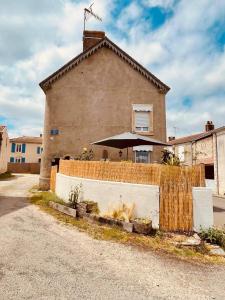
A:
(213, 236)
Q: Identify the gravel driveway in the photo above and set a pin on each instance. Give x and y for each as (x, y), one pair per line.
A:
(43, 259)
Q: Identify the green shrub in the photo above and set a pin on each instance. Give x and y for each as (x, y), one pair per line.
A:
(213, 235)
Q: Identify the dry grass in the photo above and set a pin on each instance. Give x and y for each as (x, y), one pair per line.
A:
(6, 175)
(122, 211)
(160, 242)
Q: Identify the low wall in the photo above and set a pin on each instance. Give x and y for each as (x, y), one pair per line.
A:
(110, 193)
(33, 168)
(202, 208)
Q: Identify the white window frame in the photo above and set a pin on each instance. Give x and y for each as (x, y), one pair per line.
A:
(143, 108)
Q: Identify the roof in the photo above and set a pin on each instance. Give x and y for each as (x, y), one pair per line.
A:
(195, 137)
(105, 42)
(27, 139)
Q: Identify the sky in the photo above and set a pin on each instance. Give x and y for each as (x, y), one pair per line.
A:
(181, 42)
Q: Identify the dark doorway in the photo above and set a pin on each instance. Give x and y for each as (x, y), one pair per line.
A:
(209, 171)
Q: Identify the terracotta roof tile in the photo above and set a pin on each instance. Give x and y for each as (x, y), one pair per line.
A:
(190, 138)
(27, 139)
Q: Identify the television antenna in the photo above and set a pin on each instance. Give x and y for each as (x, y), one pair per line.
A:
(87, 12)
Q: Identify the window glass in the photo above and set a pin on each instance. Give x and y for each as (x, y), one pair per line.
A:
(142, 156)
(142, 121)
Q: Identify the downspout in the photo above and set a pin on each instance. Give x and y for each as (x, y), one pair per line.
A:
(217, 171)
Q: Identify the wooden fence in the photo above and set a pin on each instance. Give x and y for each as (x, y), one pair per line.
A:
(176, 203)
(53, 178)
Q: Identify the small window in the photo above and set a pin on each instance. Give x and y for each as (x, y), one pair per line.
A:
(12, 159)
(142, 121)
(54, 131)
(39, 160)
(142, 156)
(18, 147)
(23, 160)
(38, 150)
(18, 160)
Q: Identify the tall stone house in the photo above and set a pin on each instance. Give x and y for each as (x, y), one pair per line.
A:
(100, 93)
(208, 148)
(4, 144)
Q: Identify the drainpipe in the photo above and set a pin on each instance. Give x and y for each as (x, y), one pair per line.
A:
(217, 171)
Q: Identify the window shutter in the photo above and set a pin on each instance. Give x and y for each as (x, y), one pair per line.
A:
(11, 159)
(13, 147)
(23, 148)
(142, 119)
(23, 159)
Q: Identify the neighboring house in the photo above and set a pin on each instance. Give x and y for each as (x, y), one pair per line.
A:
(25, 149)
(207, 148)
(101, 92)
(4, 144)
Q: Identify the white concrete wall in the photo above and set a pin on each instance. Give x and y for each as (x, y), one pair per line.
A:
(110, 193)
(211, 183)
(202, 208)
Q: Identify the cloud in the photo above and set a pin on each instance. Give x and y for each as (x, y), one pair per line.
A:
(166, 4)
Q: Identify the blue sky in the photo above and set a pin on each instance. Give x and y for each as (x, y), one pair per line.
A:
(182, 42)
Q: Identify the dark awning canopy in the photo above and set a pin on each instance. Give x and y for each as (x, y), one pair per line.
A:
(128, 139)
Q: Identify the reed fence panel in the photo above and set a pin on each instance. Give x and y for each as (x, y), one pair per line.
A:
(53, 178)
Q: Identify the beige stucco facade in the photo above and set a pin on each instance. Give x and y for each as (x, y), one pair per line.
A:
(4, 145)
(30, 153)
(94, 101)
(219, 161)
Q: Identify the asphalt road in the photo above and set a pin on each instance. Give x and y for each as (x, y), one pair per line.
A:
(43, 259)
(219, 211)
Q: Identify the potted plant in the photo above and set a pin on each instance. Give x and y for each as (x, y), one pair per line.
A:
(142, 225)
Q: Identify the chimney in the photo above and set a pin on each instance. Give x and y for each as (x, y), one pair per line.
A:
(90, 38)
(209, 126)
(171, 138)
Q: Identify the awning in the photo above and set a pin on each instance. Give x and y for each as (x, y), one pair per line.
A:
(143, 148)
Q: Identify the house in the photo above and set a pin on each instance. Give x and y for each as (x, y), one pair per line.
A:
(100, 93)
(4, 144)
(25, 149)
(206, 148)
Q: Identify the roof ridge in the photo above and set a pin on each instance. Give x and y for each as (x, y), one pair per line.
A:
(46, 83)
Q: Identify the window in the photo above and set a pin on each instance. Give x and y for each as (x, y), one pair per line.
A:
(23, 160)
(54, 131)
(12, 159)
(142, 118)
(18, 147)
(142, 121)
(38, 150)
(18, 160)
(142, 156)
(13, 147)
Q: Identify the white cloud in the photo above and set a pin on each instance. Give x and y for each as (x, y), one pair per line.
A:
(160, 3)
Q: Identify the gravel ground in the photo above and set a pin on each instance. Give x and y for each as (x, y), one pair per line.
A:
(43, 259)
